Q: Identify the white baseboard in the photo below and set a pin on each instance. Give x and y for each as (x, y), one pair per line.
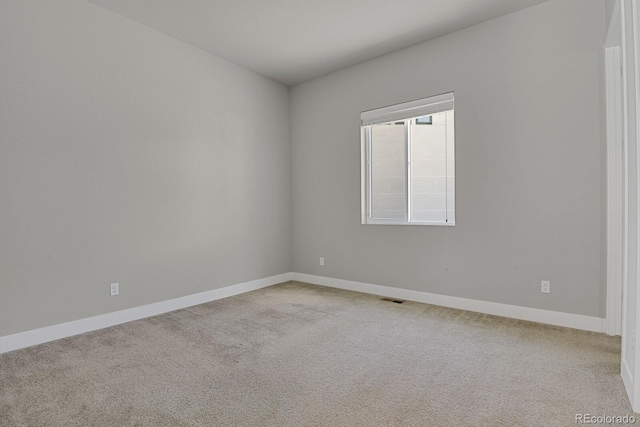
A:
(627, 380)
(63, 330)
(575, 321)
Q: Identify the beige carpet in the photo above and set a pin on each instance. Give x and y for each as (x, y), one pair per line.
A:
(301, 355)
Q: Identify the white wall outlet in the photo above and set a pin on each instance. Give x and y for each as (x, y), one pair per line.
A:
(545, 287)
(115, 289)
(321, 260)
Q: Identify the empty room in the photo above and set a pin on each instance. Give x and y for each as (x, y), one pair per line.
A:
(355, 213)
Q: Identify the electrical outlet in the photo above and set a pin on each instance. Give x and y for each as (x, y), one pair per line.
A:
(115, 289)
(545, 287)
(321, 260)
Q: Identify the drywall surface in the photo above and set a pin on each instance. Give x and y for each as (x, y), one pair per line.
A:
(127, 156)
(609, 5)
(530, 178)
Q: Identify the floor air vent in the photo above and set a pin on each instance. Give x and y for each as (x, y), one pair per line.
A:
(397, 301)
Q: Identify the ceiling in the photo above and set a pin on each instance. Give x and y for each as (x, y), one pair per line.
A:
(292, 41)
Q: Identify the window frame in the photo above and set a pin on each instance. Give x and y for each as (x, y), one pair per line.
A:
(366, 160)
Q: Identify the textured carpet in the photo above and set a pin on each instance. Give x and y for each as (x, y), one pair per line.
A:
(302, 355)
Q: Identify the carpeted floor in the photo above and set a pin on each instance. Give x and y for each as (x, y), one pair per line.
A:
(302, 355)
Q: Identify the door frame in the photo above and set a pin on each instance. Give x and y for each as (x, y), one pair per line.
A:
(616, 175)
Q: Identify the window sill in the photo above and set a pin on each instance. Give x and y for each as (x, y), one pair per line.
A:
(387, 222)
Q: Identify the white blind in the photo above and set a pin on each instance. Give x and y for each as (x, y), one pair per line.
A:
(407, 110)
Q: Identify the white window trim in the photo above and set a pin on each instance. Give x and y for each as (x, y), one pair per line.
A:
(406, 110)
(398, 112)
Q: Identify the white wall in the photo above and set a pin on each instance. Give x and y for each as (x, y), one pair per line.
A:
(127, 156)
(609, 6)
(530, 151)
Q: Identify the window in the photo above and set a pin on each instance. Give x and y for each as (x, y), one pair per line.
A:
(408, 163)
(424, 120)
